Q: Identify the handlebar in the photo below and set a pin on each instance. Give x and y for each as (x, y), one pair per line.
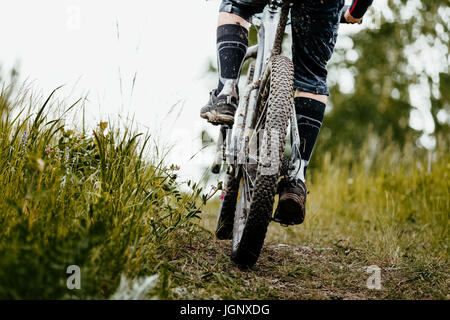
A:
(279, 3)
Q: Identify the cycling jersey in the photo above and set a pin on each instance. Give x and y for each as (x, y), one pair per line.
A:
(359, 7)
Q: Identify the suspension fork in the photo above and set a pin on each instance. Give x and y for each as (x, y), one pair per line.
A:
(297, 165)
(270, 38)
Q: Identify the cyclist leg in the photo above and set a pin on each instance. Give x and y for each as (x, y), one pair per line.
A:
(232, 43)
(314, 28)
(314, 25)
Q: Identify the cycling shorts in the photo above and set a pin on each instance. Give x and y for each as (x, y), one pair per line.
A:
(314, 32)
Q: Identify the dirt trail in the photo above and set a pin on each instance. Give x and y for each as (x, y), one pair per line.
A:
(282, 272)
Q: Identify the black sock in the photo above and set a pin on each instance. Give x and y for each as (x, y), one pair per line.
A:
(310, 114)
(232, 43)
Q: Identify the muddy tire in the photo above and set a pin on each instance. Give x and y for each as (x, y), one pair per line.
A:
(246, 249)
(224, 229)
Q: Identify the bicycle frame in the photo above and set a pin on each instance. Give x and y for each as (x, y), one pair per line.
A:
(270, 37)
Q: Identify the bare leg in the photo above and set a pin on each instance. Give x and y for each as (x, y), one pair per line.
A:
(319, 97)
(231, 18)
(232, 44)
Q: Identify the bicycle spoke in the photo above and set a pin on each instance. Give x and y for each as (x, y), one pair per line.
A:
(253, 158)
(247, 179)
(260, 120)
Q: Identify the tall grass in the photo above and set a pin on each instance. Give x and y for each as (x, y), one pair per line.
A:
(106, 202)
(393, 203)
(382, 205)
(96, 200)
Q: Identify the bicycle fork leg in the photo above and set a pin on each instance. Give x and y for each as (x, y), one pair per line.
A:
(298, 165)
(220, 157)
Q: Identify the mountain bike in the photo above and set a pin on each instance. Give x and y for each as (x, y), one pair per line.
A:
(253, 148)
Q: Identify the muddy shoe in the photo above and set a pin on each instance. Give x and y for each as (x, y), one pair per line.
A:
(221, 109)
(291, 203)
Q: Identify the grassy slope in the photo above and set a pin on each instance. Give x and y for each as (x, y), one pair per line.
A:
(91, 200)
(83, 199)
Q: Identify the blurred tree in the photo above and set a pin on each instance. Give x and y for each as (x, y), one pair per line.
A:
(405, 49)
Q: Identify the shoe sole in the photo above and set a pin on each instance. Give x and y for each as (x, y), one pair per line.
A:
(216, 118)
(288, 210)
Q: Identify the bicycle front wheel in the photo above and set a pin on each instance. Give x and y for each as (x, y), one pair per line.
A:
(256, 193)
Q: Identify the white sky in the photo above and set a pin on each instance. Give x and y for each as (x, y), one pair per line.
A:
(167, 44)
(75, 42)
